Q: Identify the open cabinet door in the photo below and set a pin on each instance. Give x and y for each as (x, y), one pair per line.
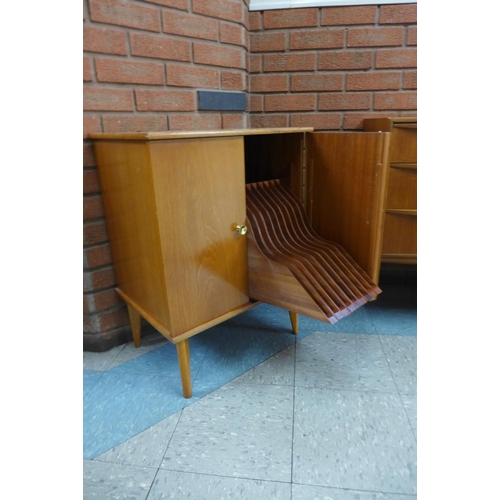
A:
(347, 178)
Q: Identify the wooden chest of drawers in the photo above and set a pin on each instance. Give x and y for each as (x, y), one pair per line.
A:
(399, 241)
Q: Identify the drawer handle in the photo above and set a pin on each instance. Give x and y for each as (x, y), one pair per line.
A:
(241, 229)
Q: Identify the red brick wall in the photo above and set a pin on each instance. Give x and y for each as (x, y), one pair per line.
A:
(143, 62)
(331, 67)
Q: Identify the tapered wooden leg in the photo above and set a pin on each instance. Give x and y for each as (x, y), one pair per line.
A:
(183, 357)
(294, 318)
(135, 323)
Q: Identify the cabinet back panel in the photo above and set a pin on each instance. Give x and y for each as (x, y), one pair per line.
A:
(278, 156)
(129, 207)
(200, 195)
(345, 192)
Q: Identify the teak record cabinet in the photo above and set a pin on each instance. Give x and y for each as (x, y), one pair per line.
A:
(175, 209)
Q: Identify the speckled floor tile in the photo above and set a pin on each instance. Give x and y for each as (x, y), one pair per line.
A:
(115, 482)
(231, 351)
(147, 448)
(410, 405)
(179, 486)
(129, 352)
(401, 354)
(239, 430)
(353, 440)
(100, 361)
(277, 370)
(90, 378)
(120, 406)
(303, 492)
(343, 361)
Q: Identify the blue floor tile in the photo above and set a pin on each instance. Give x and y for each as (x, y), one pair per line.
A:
(162, 362)
(121, 405)
(90, 378)
(395, 311)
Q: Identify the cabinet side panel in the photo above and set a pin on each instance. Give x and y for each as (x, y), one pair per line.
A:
(347, 186)
(129, 206)
(200, 195)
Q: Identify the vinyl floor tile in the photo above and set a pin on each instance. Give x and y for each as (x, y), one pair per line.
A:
(237, 431)
(303, 492)
(401, 354)
(277, 370)
(343, 361)
(100, 361)
(147, 448)
(90, 378)
(115, 482)
(233, 351)
(410, 405)
(354, 436)
(395, 311)
(357, 322)
(180, 485)
(129, 352)
(119, 407)
(162, 361)
(353, 440)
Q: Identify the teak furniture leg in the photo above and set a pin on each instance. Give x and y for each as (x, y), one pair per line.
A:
(135, 323)
(294, 318)
(183, 357)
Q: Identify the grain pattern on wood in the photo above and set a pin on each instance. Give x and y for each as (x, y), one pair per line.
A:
(400, 235)
(132, 223)
(200, 197)
(347, 184)
(402, 188)
(287, 259)
(184, 367)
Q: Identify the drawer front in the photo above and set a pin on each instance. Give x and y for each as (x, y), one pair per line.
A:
(403, 145)
(402, 189)
(400, 234)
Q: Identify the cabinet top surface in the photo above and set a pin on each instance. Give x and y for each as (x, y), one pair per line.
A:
(157, 136)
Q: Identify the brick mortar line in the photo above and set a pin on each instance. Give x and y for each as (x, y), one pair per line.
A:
(89, 247)
(101, 312)
(93, 219)
(129, 30)
(104, 267)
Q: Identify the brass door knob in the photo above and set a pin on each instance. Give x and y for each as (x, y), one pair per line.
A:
(241, 229)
